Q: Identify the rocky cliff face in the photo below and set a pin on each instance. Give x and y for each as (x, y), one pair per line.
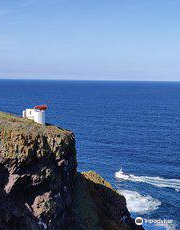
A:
(40, 188)
(37, 170)
(97, 206)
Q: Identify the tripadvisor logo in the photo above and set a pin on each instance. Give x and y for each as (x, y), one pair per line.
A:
(139, 221)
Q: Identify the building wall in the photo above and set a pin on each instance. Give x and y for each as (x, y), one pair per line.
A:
(36, 115)
(39, 116)
(30, 113)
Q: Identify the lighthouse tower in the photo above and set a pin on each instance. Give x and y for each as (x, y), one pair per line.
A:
(37, 114)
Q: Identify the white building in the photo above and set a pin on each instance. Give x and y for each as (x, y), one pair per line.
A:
(36, 114)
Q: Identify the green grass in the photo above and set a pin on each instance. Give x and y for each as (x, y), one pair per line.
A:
(12, 122)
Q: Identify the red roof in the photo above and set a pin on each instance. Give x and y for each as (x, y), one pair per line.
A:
(40, 107)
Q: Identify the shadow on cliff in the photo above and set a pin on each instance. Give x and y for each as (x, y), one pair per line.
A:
(96, 206)
(4, 174)
(14, 214)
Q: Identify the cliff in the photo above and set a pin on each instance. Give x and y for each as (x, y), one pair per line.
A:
(41, 189)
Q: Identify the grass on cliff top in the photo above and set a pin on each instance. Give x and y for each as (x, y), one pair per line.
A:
(12, 122)
(96, 178)
(9, 117)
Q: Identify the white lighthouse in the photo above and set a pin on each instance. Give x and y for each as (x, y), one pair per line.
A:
(37, 114)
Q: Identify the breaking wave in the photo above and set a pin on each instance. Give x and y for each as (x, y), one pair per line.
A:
(137, 203)
(155, 181)
(141, 204)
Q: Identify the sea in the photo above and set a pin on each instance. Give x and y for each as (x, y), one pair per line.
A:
(129, 132)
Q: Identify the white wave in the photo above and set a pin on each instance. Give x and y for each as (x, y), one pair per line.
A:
(155, 181)
(137, 203)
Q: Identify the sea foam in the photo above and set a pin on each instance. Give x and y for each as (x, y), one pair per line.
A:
(155, 181)
(137, 203)
(141, 204)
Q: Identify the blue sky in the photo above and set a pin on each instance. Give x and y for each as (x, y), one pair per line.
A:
(90, 39)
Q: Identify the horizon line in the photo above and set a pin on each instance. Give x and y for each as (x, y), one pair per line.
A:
(96, 80)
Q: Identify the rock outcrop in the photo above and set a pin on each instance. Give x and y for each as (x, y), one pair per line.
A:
(41, 189)
(37, 170)
(97, 206)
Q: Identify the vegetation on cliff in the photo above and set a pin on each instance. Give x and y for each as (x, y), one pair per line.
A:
(97, 206)
(41, 189)
(37, 170)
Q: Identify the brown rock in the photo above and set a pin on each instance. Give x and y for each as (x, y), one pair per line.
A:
(39, 188)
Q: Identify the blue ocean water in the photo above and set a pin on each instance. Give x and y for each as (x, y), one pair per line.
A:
(127, 131)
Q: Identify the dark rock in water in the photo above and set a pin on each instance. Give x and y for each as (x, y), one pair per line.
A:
(40, 188)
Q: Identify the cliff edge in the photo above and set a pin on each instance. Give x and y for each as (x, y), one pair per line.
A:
(41, 189)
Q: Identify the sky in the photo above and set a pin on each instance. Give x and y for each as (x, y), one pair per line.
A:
(90, 39)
